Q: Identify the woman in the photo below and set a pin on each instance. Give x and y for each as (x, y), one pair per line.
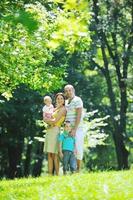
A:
(51, 144)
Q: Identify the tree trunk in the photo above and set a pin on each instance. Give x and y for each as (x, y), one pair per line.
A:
(27, 161)
(14, 154)
(121, 151)
(119, 129)
(120, 124)
(38, 165)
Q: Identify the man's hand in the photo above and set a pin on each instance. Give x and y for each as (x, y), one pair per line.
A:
(75, 151)
(73, 132)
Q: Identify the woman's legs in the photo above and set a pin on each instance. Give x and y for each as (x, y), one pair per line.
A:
(53, 163)
(56, 164)
(51, 146)
(50, 163)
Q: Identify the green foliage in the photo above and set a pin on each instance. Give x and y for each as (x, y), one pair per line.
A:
(25, 18)
(28, 35)
(41, 44)
(93, 127)
(71, 26)
(24, 55)
(18, 129)
(106, 185)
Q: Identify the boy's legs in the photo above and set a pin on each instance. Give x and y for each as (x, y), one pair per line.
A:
(73, 162)
(66, 158)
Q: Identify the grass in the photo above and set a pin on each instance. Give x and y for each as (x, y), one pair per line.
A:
(86, 186)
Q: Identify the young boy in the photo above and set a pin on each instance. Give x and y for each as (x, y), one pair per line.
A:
(67, 148)
(48, 108)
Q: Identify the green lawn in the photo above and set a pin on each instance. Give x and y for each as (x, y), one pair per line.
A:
(87, 186)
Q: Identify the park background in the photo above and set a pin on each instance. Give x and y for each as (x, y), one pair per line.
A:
(45, 45)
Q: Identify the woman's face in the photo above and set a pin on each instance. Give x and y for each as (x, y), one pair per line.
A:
(60, 100)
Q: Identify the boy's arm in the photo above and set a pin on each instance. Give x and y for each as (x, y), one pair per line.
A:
(60, 149)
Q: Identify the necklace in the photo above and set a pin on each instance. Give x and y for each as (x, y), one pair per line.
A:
(69, 100)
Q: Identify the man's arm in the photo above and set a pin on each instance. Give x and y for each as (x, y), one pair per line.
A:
(77, 121)
(75, 147)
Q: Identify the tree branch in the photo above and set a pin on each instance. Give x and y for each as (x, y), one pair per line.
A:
(127, 53)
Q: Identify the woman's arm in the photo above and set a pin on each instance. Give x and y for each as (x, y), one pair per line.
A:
(47, 120)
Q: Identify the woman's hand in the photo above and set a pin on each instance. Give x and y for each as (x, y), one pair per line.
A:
(49, 121)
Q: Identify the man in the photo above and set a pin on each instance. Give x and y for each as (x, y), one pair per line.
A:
(74, 107)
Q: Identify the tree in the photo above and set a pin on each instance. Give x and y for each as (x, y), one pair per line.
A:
(18, 125)
(113, 31)
(110, 52)
(24, 55)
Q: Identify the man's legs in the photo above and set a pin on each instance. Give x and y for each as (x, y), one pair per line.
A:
(79, 162)
(79, 147)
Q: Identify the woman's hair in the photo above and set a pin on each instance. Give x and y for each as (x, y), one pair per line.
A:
(60, 94)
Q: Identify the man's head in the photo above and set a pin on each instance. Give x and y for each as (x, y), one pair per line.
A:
(69, 91)
(47, 100)
(67, 126)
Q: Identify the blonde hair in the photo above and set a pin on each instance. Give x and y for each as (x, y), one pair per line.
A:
(47, 98)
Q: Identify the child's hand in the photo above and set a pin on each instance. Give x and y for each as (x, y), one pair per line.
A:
(61, 154)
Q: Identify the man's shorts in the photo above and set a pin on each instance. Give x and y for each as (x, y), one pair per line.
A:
(79, 143)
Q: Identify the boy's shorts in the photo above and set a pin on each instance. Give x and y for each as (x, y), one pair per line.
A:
(79, 138)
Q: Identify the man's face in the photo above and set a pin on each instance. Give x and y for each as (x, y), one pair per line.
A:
(69, 92)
